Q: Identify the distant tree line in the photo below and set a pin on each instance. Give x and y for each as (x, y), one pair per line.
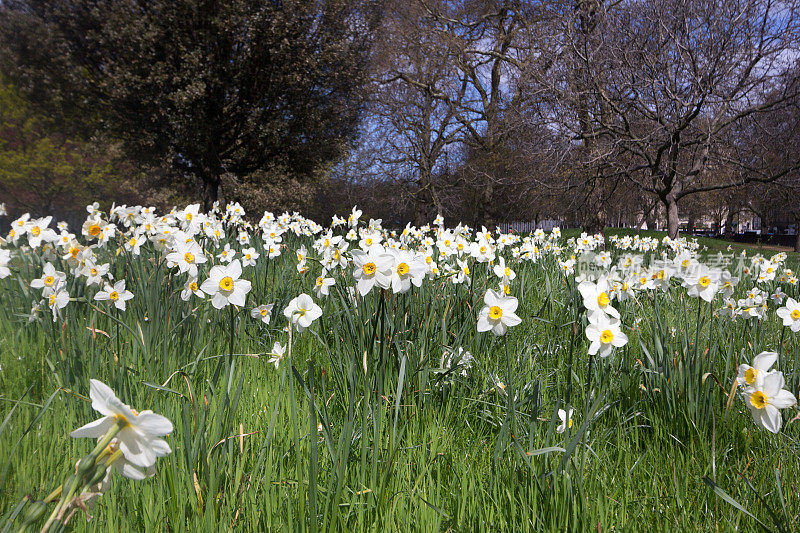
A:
(595, 112)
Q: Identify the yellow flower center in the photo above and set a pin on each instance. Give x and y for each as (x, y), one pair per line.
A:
(93, 271)
(189, 217)
(193, 285)
(49, 280)
(495, 313)
(319, 281)
(132, 242)
(113, 295)
(226, 283)
(704, 282)
(507, 289)
(758, 400)
(264, 312)
(369, 241)
(52, 300)
(74, 251)
(685, 263)
(188, 257)
(796, 314)
(369, 269)
(603, 299)
(35, 231)
(402, 269)
(94, 230)
(750, 375)
(606, 337)
(507, 272)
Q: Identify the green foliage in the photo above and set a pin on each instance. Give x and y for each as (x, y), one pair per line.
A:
(44, 171)
(209, 88)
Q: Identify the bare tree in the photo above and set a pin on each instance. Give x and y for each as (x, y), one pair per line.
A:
(666, 81)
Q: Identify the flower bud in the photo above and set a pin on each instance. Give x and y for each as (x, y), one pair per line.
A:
(34, 512)
(84, 465)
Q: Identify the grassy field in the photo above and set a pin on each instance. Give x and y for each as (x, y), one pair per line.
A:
(372, 421)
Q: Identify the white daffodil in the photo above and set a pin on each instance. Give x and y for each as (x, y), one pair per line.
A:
(790, 314)
(504, 272)
(139, 435)
(302, 311)
(57, 300)
(277, 354)
(702, 282)
(50, 279)
(225, 286)
(5, 259)
(189, 288)
(186, 256)
(753, 376)
(597, 298)
(498, 314)
(322, 285)
(249, 256)
(604, 335)
(766, 401)
(115, 294)
(408, 268)
(566, 420)
(372, 268)
(262, 313)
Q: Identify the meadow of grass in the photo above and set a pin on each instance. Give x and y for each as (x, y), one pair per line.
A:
(371, 421)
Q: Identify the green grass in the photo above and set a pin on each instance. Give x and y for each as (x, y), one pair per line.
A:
(402, 446)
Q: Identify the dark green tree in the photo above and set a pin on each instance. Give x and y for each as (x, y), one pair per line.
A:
(211, 87)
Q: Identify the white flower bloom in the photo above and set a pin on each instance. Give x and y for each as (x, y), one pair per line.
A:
(116, 294)
(225, 286)
(186, 256)
(262, 313)
(57, 300)
(604, 335)
(277, 354)
(753, 376)
(191, 287)
(597, 298)
(372, 268)
(249, 256)
(50, 279)
(790, 314)
(498, 314)
(302, 311)
(566, 420)
(322, 285)
(408, 268)
(766, 401)
(139, 437)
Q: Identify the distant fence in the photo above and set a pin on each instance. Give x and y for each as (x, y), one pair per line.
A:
(529, 227)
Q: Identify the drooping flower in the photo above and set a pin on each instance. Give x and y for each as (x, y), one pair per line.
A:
(753, 376)
(139, 437)
(277, 354)
(566, 420)
(302, 311)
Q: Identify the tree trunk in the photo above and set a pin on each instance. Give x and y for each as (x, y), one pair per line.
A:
(729, 224)
(797, 235)
(210, 191)
(672, 217)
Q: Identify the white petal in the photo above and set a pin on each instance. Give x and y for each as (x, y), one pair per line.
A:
(95, 429)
